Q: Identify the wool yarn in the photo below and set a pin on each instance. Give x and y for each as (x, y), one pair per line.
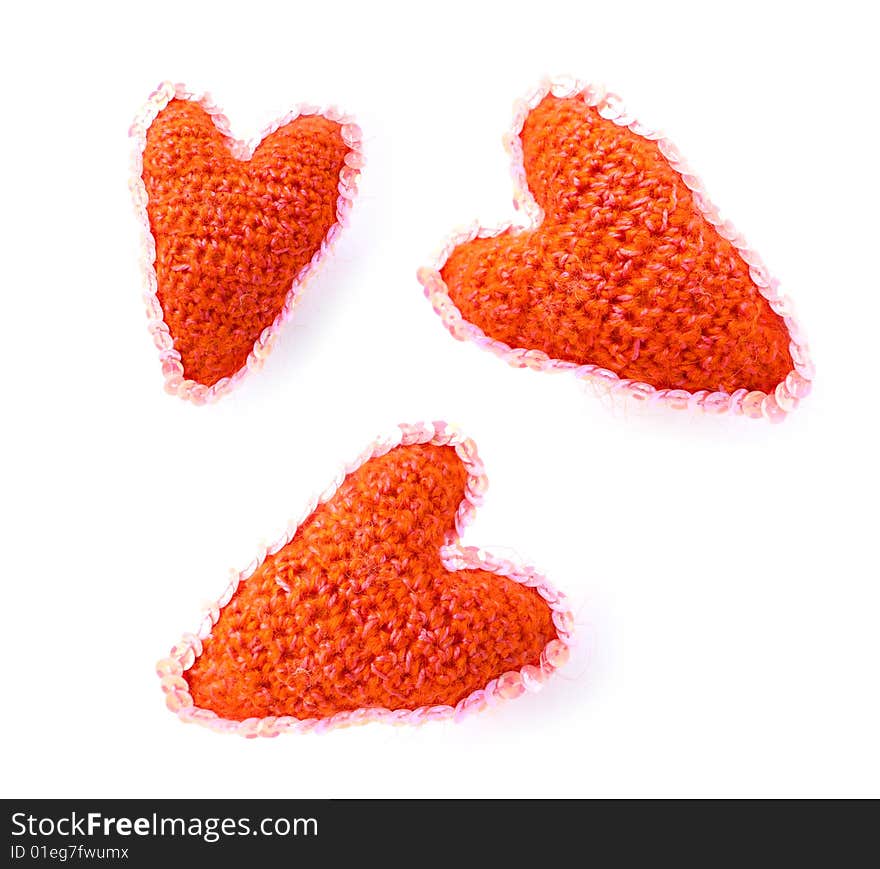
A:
(234, 229)
(623, 271)
(370, 608)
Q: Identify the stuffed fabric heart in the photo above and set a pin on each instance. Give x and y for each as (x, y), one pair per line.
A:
(370, 609)
(628, 275)
(233, 231)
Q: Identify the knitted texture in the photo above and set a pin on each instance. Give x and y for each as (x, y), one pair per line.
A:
(358, 610)
(232, 235)
(624, 271)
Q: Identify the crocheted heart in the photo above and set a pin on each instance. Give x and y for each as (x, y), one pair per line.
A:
(365, 607)
(624, 272)
(235, 232)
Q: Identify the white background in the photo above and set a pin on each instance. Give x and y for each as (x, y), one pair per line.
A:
(724, 571)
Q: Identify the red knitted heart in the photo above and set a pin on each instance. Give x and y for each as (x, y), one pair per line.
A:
(235, 231)
(628, 273)
(370, 605)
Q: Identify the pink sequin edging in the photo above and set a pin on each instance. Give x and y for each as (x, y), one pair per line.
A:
(755, 404)
(172, 366)
(454, 556)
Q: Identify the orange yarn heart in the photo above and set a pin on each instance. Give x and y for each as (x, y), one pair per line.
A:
(233, 236)
(359, 610)
(622, 271)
